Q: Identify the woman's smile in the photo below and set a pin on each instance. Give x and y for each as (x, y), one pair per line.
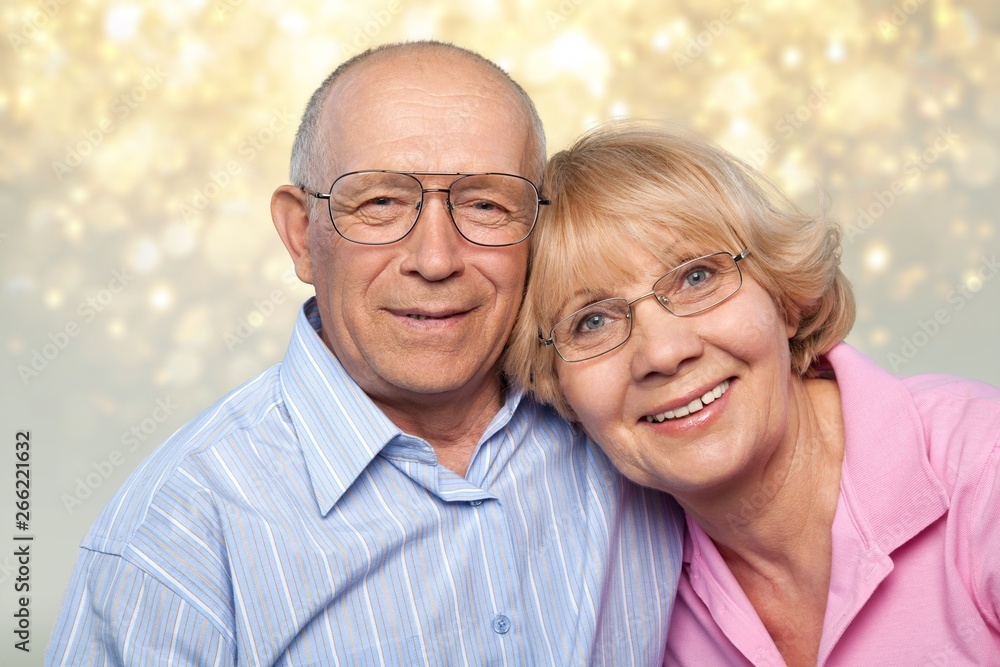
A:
(694, 406)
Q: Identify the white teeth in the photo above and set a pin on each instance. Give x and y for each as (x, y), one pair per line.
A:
(692, 407)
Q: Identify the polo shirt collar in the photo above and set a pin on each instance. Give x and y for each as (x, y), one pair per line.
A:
(887, 479)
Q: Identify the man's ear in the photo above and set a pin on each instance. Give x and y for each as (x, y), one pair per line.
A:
(290, 214)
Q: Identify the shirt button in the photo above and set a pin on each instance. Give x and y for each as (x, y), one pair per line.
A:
(475, 503)
(501, 624)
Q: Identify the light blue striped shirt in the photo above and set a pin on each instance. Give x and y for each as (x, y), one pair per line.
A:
(292, 523)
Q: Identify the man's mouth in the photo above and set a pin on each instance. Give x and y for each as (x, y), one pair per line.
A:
(692, 407)
(429, 315)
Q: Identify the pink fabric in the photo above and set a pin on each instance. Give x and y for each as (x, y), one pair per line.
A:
(915, 578)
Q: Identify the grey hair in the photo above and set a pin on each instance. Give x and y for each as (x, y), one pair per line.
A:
(311, 151)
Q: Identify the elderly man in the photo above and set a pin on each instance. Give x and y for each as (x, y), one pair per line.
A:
(381, 497)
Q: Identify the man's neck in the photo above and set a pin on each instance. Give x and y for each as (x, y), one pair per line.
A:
(452, 426)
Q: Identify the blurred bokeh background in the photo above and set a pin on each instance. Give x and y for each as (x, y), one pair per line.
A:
(141, 278)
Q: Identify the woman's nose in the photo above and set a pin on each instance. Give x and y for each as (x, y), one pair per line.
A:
(662, 341)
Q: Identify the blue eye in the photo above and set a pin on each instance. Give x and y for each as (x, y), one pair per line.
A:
(593, 322)
(696, 277)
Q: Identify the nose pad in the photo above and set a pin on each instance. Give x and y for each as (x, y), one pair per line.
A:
(433, 249)
(448, 206)
(445, 203)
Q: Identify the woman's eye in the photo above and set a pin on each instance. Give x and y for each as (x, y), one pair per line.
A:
(696, 277)
(590, 322)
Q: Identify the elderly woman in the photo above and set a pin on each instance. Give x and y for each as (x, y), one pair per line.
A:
(691, 320)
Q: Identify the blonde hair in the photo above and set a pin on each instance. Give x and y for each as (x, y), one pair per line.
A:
(631, 183)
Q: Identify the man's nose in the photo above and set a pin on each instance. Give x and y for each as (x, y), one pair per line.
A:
(434, 245)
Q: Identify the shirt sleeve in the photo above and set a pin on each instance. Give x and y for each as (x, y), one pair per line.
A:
(116, 614)
(985, 543)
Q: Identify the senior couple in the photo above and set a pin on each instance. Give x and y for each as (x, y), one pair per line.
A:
(422, 481)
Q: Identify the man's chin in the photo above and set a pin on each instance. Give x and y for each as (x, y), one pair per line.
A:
(435, 374)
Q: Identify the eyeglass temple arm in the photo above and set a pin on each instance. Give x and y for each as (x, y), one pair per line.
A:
(742, 255)
(317, 195)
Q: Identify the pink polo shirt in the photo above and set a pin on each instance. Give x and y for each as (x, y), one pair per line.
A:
(915, 577)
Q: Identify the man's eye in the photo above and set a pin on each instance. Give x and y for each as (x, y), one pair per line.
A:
(380, 200)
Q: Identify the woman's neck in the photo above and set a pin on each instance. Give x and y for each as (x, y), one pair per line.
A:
(773, 525)
(792, 491)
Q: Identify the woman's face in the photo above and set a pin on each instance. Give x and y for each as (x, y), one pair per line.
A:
(738, 349)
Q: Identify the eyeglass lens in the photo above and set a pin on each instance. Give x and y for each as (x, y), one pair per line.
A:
(379, 207)
(687, 289)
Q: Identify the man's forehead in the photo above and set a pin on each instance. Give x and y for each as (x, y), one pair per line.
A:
(404, 111)
(422, 71)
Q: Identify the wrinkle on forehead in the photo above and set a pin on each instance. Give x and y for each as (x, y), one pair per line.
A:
(456, 97)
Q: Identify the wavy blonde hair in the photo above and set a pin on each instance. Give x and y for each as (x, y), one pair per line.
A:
(631, 183)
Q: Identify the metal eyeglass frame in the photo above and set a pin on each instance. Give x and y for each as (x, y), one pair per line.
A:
(550, 341)
(540, 201)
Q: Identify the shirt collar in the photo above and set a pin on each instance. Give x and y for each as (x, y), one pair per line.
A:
(887, 478)
(340, 428)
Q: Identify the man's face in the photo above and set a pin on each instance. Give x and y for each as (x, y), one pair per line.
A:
(425, 317)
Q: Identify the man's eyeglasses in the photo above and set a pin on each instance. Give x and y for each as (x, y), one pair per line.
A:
(377, 207)
(691, 288)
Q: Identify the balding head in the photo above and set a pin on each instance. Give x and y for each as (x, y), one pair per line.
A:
(418, 322)
(312, 153)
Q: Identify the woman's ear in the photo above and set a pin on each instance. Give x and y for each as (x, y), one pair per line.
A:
(792, 320)
(290, 214)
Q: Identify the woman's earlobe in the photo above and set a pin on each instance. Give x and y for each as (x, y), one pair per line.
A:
(793, 319)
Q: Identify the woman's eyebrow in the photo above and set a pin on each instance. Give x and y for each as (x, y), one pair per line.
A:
(582, 297)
